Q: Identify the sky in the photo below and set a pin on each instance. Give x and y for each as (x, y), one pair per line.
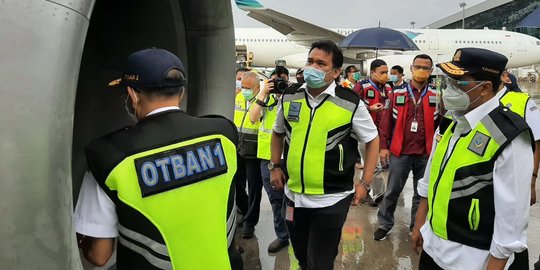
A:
(358, 13)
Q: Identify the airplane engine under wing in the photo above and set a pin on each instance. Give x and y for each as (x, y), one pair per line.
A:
(57, 57)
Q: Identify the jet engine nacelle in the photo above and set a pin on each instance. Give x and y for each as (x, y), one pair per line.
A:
(57, 58)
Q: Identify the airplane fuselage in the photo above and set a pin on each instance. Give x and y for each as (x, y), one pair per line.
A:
(267, 45)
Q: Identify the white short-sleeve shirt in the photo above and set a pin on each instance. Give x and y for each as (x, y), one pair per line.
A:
(362, 126)
(95, 213)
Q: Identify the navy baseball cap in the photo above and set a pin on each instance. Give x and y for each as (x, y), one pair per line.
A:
(480, 63)
(147, 69)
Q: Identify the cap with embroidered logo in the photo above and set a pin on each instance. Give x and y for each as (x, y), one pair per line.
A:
(480, 63)
(148, 69)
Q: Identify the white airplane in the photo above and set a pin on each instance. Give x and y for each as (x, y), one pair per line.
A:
(291, 38)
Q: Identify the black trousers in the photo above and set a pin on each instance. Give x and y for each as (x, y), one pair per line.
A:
(521, 261)
(315, 233)
(427, 263)
(240, 185)
(250, 205)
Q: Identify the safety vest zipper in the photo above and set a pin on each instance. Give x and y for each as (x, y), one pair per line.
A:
(340, 168)
(439, 179)
(304, 149)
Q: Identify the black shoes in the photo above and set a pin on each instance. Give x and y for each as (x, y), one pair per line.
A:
(380, 234)
(277, 245)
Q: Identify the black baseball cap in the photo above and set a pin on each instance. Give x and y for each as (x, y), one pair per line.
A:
(479, 63)
(284, 70)
(147, 69)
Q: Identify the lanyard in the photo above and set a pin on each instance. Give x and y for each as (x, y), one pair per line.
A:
(377, 88)
(411, 94)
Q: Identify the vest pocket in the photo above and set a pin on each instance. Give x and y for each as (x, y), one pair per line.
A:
(340, 157)
(474, 215)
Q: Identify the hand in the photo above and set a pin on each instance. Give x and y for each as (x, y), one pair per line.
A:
(377, 107)
(277, 178)
(268, 86)
(359, 193)
(417, 239)
(384, 156)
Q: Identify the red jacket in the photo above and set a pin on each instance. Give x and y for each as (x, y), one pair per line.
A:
(393, 128)
(371, 93)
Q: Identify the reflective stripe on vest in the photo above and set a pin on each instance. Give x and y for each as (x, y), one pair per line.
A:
(265, 128)
(315, 138)
(460, 194)
(372, 96)
(173, 210)
(515, 101)
(399, 113)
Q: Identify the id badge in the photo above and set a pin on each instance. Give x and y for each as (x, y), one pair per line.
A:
(289, 215)
(414, 126)
(387, 104)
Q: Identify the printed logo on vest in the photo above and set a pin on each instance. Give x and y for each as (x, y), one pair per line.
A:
(432, 101)
(180, 167)
(400, 100)
(479, 143)
(294, 111)
(371, 94)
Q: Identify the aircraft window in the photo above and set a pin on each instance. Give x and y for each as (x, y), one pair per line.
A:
(537, 42)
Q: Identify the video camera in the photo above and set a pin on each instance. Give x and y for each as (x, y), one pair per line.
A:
(280, 83)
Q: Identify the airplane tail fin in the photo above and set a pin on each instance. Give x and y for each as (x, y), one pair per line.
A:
(248, 5)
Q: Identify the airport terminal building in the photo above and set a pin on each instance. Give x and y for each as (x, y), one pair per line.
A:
(516, 15)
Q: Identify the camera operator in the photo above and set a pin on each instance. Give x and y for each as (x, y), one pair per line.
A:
(265, 110)
(280, 79)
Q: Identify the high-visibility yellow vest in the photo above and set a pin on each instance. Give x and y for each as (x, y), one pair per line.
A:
(515, 101)
(460, 194)
(173, 195)
(319, 151)
(265, 128)
(247, 131)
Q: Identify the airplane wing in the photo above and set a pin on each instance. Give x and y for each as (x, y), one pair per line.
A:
(296, 30)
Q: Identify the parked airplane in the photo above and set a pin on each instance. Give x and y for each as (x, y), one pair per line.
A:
(290, 39)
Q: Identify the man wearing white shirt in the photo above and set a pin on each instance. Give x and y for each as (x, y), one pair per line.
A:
(475, 205)
(164, 186)
(316, 120)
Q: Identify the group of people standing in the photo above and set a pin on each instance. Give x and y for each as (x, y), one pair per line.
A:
(402, 124)
(471, 155)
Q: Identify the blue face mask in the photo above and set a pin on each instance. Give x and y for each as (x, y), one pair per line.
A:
(393, 78)
(247, 93)
(314, 77)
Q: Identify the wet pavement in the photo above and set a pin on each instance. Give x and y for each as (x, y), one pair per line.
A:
(357, 249)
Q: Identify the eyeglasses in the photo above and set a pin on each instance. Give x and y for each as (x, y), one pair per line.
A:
(425, 68)
(446, 80)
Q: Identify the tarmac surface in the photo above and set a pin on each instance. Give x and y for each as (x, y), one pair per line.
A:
(357, 249)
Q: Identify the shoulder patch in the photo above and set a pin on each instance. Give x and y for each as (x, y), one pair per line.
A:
(479, 143)
(180, 167)
(400, 100)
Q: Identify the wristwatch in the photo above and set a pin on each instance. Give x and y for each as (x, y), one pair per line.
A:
(272, 166)
(365, 185)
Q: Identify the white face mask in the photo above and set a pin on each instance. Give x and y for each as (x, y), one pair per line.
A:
(130, 109)
(457, 100)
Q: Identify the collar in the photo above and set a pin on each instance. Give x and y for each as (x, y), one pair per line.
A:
(330, 89)
(474, 116)
(163, 109)
(501, 92)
